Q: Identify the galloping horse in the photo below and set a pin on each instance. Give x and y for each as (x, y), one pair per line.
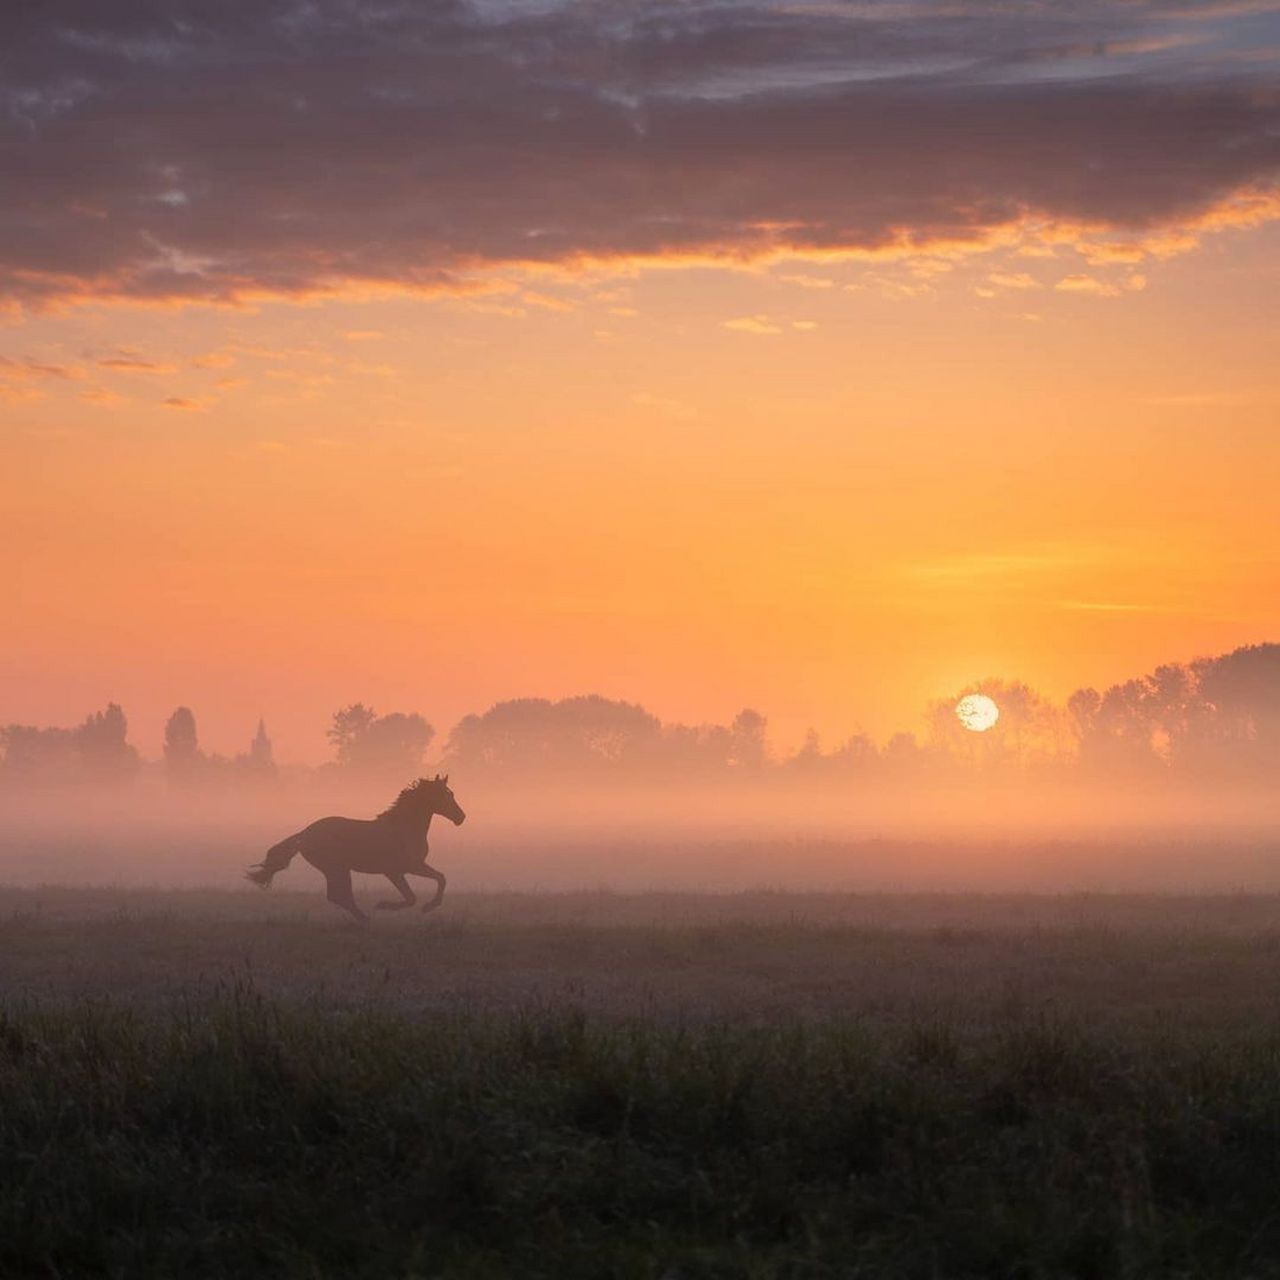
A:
(393, 844)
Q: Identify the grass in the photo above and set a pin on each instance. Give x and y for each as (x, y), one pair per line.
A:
(241, 1123)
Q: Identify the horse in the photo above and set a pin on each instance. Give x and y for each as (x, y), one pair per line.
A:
(393, 844)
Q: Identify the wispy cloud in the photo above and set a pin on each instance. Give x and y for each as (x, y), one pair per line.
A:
(1013, 280)
(132, 362)
(986, 567)
(764, 326)
(25, 379)
(1109, 606)
(1101, 288)
(760, 325)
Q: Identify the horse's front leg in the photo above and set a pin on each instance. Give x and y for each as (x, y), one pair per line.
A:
(432, 874)
(408, 898)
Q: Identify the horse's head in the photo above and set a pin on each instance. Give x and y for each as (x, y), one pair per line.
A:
(443, 801)
(423, 798)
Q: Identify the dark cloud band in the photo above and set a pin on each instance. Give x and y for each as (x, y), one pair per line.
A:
(220, 150)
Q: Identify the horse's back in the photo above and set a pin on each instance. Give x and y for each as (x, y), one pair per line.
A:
(335, 826)
(352, 844)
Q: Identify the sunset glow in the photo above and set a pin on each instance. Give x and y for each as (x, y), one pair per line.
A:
(824, 361)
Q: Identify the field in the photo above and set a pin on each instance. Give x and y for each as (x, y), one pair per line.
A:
(205, 1083)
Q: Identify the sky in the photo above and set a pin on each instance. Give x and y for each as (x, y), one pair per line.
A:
(819, 357)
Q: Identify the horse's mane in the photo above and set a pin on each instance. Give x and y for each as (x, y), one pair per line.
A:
(409, 799)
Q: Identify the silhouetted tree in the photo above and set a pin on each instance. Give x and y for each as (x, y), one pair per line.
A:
(808, 758)
(1029, 730)
(534, 734)
(1239, 723)
(747, 749)
(103, 745)
(855, 756)
(32, 754)
(182, 757)
(350, 724)
(389, 746)
(904, 757)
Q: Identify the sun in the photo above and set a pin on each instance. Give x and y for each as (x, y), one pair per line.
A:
(977, 712)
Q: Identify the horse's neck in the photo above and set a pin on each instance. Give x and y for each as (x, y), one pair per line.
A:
(416, 823)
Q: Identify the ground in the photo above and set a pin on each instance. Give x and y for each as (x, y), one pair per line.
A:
(666, 1086)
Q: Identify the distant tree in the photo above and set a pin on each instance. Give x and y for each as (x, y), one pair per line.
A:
(856, 755)
(696, 749)
(97, 750)
(903, 755)
(102, 741)
(1029, 730)
(1082, 715)
(390, 746)
(32, 754)
(747, 748)
(808, 758)
(350, 724)
(1239, 722)
(1141, 725)
(534, 734)
(182, 757)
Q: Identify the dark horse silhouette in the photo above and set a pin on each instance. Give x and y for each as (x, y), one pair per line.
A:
(393, 844)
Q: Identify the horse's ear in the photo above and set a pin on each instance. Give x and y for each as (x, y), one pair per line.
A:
(438, 778)
(446, 777)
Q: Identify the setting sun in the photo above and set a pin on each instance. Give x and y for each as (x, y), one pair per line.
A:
(977, 712)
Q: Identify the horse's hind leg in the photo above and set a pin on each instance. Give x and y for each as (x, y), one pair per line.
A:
(340, 893)
(438, 876)
(407, 895)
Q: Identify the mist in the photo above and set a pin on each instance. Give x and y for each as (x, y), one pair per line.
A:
(1160, 784)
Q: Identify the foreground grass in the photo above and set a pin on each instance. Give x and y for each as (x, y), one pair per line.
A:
(239, 1136)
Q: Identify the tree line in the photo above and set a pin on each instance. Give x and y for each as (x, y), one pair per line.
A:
(1214, 718)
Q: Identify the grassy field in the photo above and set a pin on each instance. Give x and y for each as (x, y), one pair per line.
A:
(670, 1087)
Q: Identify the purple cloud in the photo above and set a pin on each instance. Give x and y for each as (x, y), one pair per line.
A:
(224, 149)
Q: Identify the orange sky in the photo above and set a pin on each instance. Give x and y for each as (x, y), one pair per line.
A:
(826, 481)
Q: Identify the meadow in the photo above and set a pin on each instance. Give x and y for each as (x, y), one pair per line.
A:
(668, 1086)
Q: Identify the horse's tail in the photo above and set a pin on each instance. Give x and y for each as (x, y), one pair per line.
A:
(278, 857)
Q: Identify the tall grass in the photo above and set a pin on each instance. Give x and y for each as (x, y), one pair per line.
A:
(239, 1136)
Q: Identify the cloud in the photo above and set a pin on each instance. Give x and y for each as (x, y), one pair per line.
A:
(761, 325)
(1101, 288)
(23, 379)
(1108, 606)
(101, 396)
(1088, 284)
(34, 370)
(261, 149)
(803, 281)
(131, 362)
(983, 568)
(1013, 280)
(181, 402)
